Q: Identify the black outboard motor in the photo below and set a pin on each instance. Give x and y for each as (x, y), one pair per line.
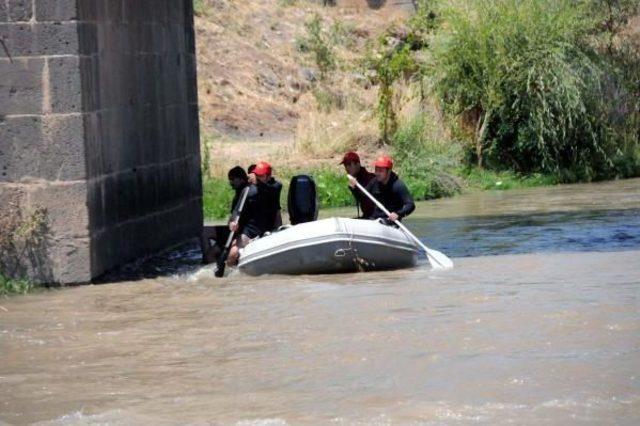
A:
(302, 201)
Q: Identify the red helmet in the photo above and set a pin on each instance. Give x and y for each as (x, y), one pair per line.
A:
(384, 161)
(350, 157)
(262, 168)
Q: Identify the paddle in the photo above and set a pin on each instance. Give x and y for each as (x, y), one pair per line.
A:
(225, 253)
(438, 260)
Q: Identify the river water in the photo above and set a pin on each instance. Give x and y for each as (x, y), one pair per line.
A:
(539, 322)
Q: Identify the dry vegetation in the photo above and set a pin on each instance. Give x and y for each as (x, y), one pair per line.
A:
(261, 94)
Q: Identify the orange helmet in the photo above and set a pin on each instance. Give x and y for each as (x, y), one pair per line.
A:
(384, 161)
(262, 168)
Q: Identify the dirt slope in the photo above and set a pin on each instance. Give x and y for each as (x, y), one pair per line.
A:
(251, 77)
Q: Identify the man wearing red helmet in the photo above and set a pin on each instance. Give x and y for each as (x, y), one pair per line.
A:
(262, 208)
(351, 162)
(269, 190)
(390, 191)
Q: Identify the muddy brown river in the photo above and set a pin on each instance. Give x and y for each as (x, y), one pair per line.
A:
(538, 323)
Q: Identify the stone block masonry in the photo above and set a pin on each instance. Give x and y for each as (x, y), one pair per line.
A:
(99, 125)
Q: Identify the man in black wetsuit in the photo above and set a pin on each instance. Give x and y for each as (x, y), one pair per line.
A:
(269, 190)
(390, 191)
(249, 225)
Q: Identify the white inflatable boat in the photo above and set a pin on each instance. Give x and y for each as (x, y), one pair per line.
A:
(329, 246)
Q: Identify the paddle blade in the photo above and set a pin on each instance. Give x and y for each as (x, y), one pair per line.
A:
(221, 263)
(219, 272)
(438, 260)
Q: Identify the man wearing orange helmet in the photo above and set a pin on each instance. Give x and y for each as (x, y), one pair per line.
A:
(390, 191)
(351, 162)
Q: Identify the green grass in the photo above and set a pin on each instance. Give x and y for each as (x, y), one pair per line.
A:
(216, 198)
(10, 286)
(333, 190)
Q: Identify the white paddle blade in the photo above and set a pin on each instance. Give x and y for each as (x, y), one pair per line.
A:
(439, 260)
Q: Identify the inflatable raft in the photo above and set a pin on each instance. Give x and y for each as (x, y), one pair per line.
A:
(329, 246)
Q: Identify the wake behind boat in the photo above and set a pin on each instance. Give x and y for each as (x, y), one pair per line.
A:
(329, 246)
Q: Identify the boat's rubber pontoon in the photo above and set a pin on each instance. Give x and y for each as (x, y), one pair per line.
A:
(329, 246)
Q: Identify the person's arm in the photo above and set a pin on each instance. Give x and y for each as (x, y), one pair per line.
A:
(278, 222)
(233, 221)
(408, 206)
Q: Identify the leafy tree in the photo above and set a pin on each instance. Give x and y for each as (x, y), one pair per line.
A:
(523, 75)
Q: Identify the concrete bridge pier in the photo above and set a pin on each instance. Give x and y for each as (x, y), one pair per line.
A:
(99, 126)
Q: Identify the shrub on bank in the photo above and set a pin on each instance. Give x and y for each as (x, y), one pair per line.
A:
(24, 243)
(535, 95)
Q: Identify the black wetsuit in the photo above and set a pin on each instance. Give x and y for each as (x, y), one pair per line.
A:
(269, 202)
(394, 196)
(364, 178)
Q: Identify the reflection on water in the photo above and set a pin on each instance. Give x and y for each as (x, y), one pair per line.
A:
(525, 339)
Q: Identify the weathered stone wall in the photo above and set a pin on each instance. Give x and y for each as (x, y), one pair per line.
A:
(99, 124)
(139, 74)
